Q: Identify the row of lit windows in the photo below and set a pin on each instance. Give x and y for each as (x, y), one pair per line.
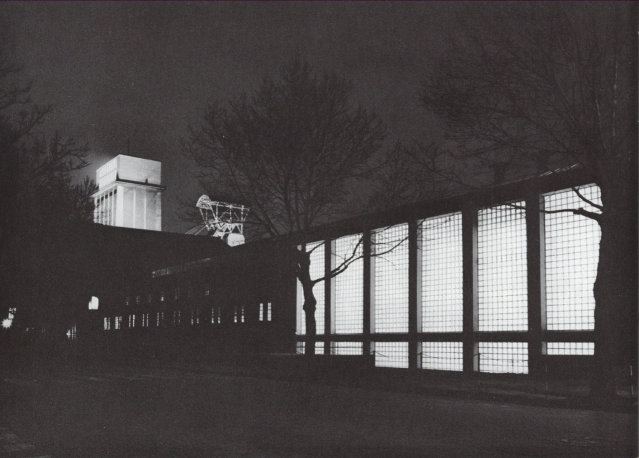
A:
(162, 296)
(570, 258)
(175, 317)
(492, 357)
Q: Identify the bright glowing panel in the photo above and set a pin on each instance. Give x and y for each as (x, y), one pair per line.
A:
(349, 286)
(572, 254)
(442, 274)
(391, 279)
(502, 269)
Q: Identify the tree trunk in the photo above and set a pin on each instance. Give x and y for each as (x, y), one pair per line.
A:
(310, 303)
(615, 292)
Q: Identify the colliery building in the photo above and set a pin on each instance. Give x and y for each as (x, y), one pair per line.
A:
(478, 284)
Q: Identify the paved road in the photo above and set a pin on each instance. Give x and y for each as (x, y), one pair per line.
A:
(171, 413)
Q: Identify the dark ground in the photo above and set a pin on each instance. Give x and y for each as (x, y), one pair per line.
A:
(171, 412)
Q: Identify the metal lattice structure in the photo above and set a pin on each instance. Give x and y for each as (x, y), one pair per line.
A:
(223, 220)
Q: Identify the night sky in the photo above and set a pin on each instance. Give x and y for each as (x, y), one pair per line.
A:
(144, 71)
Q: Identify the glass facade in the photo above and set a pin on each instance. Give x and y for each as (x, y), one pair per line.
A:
(442, 274)
(503, 357)
(570, 348)
(442, 356)
(349, 286)
(346, 348)
(502, 274)
(390, 276)
(391, 354)
(571, 257)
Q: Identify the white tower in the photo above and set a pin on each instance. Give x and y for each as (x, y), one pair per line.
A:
(129, 193)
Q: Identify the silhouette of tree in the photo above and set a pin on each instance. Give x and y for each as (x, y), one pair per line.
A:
(529, 89)
(39, 199)
(290, 152)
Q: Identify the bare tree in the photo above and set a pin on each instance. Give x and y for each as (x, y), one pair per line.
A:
(292, 152)
(533, 88)
(39, 198)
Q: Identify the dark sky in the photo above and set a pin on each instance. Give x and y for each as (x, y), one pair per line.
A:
(146, 70)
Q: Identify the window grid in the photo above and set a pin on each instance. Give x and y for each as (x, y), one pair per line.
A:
(349, 286)
(391, 279)
(118, 322)
(503, 357)
(269, 312)
(571, 258)
(107, 323)
(131, 321)
(346, 348)
(159, 318)
(319, 348)
(261, 311)
(442, 274)
(443, 356)
(570, 348)
(502, 268)
(316, 270)
(391, 354)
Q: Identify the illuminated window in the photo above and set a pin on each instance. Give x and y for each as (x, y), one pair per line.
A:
(118, 322)
(219, 314)
(126, 300)
(94, 303)
(391, 354)
(145, 320)
(261, 311)
(137, 299)
(72, 333)
(269, 310)
(572, 254)
(159, 318)
(235, 314)
(316, 271)
(319, 348)
(177, 317)
(207, 291)
(443, 356)
(391, 279)
(162, 296)
(442, 274)
(131, 321)
(503, 357)
(502, 269)
(346, 348)
(242, 314)
(570, 348)
(107, 323)
(349, 286)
